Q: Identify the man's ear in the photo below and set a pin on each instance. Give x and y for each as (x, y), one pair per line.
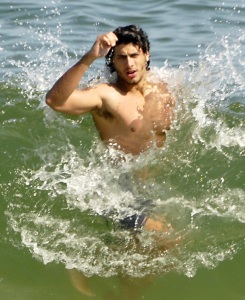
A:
(147, 56)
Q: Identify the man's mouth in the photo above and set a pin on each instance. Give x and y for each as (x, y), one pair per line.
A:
(131, 73)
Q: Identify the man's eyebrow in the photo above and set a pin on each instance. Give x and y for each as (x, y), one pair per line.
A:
(121, 55)
(124, 55)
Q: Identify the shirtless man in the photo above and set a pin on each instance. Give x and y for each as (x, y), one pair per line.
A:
(132, 114)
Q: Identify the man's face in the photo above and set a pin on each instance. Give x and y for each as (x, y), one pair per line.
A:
(130, 63)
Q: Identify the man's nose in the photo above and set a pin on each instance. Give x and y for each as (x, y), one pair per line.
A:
(129, 61)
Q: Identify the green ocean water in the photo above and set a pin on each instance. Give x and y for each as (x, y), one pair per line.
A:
(58, 182)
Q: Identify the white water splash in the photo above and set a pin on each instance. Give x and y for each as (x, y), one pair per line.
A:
(68, 196)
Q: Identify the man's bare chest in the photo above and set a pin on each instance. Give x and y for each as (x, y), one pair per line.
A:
(135, 115)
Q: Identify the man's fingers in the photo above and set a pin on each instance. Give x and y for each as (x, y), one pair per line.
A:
(110, 38)
(103, 44)
(107, 41)
(113, 38)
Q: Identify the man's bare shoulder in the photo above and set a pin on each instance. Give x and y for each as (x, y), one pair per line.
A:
(109, 96)
(104, 89)
(157, 87)
(104, 85)
(107, 91)
(161, 90)
(161, 86)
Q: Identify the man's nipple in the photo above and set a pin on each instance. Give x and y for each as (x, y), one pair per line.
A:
(136, 125)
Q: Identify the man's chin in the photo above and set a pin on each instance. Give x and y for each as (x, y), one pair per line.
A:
(133, 81)
(130, 81)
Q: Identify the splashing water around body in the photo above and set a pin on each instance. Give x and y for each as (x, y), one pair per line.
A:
(64, 207)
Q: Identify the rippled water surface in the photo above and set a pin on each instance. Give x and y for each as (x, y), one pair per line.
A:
(58, 182)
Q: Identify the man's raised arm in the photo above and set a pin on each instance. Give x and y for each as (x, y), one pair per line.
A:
(64, 96)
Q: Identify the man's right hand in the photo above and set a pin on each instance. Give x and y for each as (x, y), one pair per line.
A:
(103, 44)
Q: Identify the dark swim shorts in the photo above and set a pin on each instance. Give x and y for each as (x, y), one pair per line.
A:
(141, 205)
(133, 222)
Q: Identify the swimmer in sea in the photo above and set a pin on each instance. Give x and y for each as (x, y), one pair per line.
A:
(131, 114)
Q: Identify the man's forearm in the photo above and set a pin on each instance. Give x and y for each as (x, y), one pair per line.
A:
(69, 81)
(64, 87)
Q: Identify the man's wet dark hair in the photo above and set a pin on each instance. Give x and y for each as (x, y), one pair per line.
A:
(126, 35)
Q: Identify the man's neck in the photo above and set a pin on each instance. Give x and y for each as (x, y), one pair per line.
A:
(139, 87)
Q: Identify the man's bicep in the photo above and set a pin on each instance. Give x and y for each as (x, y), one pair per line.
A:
(80, 102)
(86, 100)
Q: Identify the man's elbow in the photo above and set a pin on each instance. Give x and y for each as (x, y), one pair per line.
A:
(56, 105)
(50, 101)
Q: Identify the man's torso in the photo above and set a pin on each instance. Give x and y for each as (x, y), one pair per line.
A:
(134, 122)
